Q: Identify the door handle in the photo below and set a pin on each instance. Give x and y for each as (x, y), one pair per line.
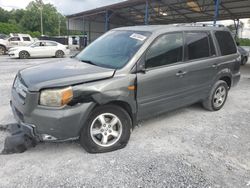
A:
(180, 73)
(215, 66)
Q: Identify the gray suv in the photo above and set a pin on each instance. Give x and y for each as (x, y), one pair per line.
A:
(126, 75)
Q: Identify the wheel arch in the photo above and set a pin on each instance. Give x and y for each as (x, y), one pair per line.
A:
(227, 79)
(225, 75)
(124, 105)
(4, 47)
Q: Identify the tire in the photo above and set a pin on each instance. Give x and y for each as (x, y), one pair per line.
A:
(2, 50)
(217, 96)
(59, 54)
(244, 61)
(24, 55)
(92, 136)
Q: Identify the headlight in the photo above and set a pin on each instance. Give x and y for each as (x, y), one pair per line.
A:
(56, 97)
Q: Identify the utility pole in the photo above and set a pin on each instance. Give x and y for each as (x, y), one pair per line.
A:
(59, 26)
(40, 7)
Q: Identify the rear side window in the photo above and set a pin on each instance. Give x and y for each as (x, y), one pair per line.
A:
(226, 42)
(26, 39)
(167, 49)
(51, 44)
(197, 45)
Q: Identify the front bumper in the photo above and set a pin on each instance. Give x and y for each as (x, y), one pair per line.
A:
(50, 123)
(13, 54)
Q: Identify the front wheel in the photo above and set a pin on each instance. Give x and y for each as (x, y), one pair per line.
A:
(107, 129)
(24, 55)
(217, 96)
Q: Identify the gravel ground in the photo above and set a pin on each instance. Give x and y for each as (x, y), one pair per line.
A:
(189, 147)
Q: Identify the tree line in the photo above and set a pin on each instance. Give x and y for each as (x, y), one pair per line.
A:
(28, 20)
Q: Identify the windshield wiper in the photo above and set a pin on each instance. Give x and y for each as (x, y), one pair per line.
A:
(88, 61)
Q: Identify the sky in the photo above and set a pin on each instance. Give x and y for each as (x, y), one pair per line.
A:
(67, 7)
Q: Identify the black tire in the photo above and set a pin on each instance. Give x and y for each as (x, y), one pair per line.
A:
(59, 54)
(24, 55)
(2, 50)
(86, 137)
(244, 61)
(210, 102)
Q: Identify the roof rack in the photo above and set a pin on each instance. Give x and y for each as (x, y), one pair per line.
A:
(200, 25)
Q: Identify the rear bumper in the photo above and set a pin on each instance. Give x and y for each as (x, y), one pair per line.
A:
(235, 79)
(51, 124)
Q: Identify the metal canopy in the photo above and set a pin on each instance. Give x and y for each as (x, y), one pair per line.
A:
(138, 12)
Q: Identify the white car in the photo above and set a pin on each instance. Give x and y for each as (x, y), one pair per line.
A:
(41, 48)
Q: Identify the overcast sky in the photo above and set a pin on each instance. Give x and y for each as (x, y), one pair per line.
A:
(64, 6)
(67, 7)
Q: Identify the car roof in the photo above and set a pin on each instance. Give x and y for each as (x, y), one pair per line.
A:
(173, 27)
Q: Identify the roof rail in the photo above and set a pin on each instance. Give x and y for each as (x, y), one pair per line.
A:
(200, 25)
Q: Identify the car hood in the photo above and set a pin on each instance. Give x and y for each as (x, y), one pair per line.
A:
(19, 48)
(63, 73)
(2, 41)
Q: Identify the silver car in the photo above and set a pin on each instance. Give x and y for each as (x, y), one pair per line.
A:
(126, 75)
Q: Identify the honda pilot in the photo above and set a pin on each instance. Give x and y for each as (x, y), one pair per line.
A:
(126, 75)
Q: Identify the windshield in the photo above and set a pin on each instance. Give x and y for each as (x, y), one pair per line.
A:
(114, 49)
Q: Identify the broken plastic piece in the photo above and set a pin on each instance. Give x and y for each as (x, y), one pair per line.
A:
(19, 141)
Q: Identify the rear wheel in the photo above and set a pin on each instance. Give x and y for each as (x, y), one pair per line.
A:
(24, 55)
(217, 96)
(59, 54)
(2, 50)
(107, 129)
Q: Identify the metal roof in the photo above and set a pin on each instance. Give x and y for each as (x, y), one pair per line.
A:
(133, 12)
(173, 28)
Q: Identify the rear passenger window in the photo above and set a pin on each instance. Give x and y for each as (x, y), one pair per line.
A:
(197, 44)
(51, 44)
(167, 49)
(26, 39)
(226, 42)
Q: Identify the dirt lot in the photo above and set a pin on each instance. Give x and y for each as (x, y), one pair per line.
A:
(189, 147)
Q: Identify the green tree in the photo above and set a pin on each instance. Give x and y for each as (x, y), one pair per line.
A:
(4, 15)
(8, 28)
(31, 19)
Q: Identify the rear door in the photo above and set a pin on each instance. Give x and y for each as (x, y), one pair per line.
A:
(162, 86)
(51, 47)
(201, 63)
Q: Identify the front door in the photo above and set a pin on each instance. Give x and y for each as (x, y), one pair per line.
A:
(162, 86)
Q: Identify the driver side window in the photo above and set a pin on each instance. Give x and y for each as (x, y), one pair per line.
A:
(167, 49)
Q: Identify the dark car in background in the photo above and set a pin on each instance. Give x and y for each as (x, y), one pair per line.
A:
(244, 55)
(3, 36)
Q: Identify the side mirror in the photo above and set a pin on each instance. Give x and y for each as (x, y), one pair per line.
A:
(237, 43)
(141, 68)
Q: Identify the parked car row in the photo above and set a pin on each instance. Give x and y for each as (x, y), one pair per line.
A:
(41, 48)
(24, 46)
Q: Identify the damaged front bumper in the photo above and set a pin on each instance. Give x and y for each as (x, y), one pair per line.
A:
(50, 124)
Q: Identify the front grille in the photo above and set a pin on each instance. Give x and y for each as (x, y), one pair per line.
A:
(20, 88)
